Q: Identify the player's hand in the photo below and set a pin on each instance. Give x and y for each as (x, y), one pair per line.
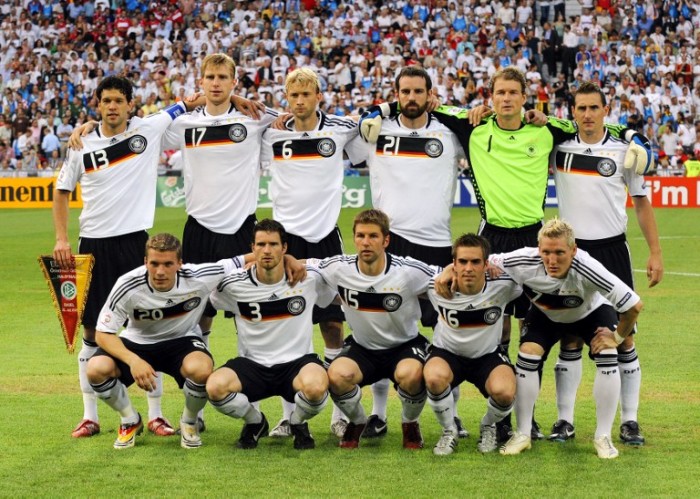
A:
(295, 270)
(63, 256)
(371, 122)
(493, 271)
(252, 109)
(603, 339)
(478, 113)
(639, 156)
(74, 141)
(535, 117)
(279, 122)
(143, 373)
(433, 103)
(445, 283)
(655, 270)
(194, 100)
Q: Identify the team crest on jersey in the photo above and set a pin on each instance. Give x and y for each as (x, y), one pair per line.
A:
(137, 144)
(296, 305)
(606, 167)
(573, 301)
(433, 148)
(237, 132)
(531, 151)
(326, 148)
(392, 302)
(492, 315)
(191, 304)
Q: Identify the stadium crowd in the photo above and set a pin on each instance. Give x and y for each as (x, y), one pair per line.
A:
(645, 54)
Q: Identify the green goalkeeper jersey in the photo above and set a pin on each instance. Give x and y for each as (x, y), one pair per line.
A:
(509, 168)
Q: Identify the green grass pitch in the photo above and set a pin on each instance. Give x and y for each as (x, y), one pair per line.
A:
(41, 402)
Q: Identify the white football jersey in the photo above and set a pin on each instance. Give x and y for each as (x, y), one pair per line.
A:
(154, 316)
(413, 177)
(306, 189)
(118, 176)
(587, 286)
(381, 310)
(470, 325)
(221, 165)
(274, 321)
(592, 186)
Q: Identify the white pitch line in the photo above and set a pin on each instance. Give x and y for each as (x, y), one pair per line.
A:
(665, 238)
(682, 274)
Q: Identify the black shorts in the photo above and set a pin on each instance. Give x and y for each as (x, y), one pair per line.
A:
(613, 253)
(165, 356)
(114, 257)
(538, 328)
(432, 255)
(201, 245)
(475, 371)
(260, 382)
(504, 240)
(381, 364)
(331, 245)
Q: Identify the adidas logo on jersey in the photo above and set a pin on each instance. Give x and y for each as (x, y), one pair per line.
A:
(588, 151)
(512, 137)
(113, 141)
(306, 135)
(470, 307)
(170, 302)
(371, 289)
(273, 296)
(414, 134)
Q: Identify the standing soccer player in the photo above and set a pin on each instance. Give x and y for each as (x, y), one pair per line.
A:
(379, 292)
(117, 171)
(275, 333)
(306, 190)
(570, 292)
(221, 168)
(466, 344)
(592, 189)
(161, 303)
(415, 157)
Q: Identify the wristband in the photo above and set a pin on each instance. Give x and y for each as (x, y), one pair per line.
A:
(618, 339)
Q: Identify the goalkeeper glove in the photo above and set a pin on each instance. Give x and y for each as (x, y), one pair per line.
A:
(371, 122)
(639, 156)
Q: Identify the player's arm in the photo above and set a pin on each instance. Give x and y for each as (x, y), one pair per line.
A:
(647, 223)
(61, 250)
(142, 372)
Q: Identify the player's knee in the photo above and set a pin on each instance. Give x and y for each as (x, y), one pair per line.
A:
(99, 369)
(436, 380)
(198, 367)
(530, 348)
(409, 376)
(571, 343)
(315, 389)
(340, 377)
(504, 393)
(217, 387)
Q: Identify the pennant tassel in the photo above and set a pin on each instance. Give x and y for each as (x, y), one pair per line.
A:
(69, 289)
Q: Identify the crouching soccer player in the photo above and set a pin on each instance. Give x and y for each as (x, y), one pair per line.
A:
(568, 290)
(275, 334)
(379, 292)
(466, 344)
(162, 302)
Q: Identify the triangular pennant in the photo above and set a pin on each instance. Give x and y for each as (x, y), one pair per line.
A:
(69, 289)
